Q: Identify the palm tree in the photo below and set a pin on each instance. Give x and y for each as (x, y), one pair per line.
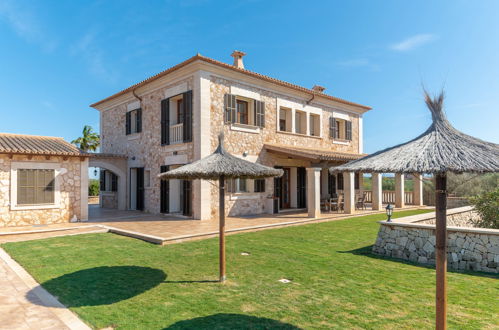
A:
(89, 141)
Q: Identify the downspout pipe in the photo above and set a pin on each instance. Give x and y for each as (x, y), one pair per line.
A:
(313, 97)
(137, 97)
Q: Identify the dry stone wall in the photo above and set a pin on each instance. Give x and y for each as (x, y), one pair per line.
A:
(468, 248)
(70, 191)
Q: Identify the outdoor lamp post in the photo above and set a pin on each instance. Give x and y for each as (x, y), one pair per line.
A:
(389, 212)
(95, 172)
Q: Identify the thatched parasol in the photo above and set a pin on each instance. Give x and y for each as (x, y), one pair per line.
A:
(221, 165)
(439, 150)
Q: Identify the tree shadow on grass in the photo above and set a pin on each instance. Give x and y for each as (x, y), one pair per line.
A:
(367, 252)
(231, 321)
(101, 285)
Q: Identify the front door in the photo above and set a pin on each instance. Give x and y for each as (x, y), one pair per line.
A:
(164, 194)
(137, 188)
(301, 188)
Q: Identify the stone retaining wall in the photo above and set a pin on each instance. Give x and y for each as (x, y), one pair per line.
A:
(413, 238)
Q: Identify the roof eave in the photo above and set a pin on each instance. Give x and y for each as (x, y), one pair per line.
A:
(362, 108)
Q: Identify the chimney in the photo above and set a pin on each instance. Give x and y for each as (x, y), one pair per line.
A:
(238, 59)
(319, 88)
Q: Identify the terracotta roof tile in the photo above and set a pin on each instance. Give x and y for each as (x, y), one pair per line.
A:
(231, 67)
(36, 145)
(312, 153)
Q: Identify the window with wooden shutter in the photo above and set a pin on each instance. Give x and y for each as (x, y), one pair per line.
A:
(138, 121)
(35, 186)
(128, 123)
(187, 115)
(165, 122)
(259, 112)
(348, 130)
(333, 130)
(230, 107)
(259, 185)
(339, 178)
(114, 182)
(102, 181)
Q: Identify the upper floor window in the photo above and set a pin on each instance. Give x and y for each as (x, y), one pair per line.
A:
(35, 186)
(340, 129)
(285, 119)
(176, 119)
(315, 125)
(300, 122)
(133, 121)
(244, 111)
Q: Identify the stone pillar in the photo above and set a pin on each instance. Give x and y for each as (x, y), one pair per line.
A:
(202, 195)
(84, 190)
(293, 184)
(349, 192)
(313, 191)
(377, 192)
(399, 190)
(418, 189)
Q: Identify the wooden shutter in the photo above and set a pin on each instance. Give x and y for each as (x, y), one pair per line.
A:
(259, 113)
(114, 182)
(339, 178)
(138, 121)
(187, 104)
(348, 130)
(165, 122)
(333, 132)
(356, 180)
(128, 123)
(102, 180)
(164, 192)
(230, 108)
(140, 189)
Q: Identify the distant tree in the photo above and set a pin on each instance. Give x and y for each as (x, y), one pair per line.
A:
(487, 206)
(93, 187)
(89, 141)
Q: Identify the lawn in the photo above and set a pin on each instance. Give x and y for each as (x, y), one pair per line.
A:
(115, 281)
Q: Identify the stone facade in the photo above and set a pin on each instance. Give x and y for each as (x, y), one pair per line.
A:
(108, 200)
(239, 142)
(468, 248)
(144, 149)
(70, 187)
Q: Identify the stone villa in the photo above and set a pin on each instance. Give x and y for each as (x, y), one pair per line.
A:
(174, 118)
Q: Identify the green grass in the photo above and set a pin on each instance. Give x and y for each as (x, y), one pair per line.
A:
(110, 280)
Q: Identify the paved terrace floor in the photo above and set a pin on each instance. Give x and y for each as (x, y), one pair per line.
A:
(162, 229)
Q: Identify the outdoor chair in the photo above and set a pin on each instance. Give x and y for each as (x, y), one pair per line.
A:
(361, 202)
(337, 204)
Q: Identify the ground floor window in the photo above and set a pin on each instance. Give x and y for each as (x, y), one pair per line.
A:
(259, 185)
(35, 186)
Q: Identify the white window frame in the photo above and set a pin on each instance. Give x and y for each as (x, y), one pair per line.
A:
(58, 171)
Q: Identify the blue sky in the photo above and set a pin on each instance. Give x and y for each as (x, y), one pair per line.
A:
(57, 57)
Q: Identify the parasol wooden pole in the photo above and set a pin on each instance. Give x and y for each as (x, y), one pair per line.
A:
(441, 250)
(221, 212)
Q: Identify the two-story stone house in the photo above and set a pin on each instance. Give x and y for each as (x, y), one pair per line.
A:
(174, 118)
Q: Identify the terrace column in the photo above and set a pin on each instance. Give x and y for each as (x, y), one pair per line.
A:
(349, 191)
(293, 184)
(418, 189)
(377, 192)
(399, 190)
(314, 191)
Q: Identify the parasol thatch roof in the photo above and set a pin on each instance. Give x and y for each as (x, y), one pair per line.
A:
(221, 163)
(440, 149)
